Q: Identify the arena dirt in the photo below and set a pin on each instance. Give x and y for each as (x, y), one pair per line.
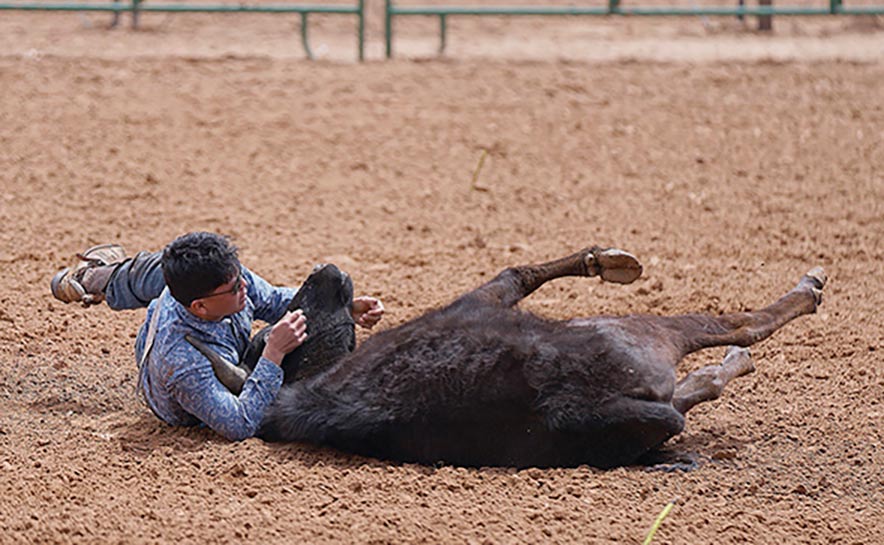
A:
(729, 179)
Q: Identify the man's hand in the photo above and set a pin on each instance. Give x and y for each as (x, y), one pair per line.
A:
(287, 334)
(367, 311)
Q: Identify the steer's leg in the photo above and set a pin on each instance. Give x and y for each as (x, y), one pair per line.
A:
(516, 283)
(694, 332)
(617, 433)
(707, 383)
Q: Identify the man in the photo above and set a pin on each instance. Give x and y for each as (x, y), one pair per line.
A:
(197, 286)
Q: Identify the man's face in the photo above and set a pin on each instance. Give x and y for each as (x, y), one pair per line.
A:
(228, 298)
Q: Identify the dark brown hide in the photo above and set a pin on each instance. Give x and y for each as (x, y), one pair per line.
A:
(480, 383)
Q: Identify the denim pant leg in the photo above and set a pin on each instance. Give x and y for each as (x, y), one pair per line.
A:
(136, 282)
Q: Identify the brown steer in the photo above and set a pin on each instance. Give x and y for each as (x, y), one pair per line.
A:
(480, 382)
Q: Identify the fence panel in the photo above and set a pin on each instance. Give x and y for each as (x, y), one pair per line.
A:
(135, 7)
(765, 10)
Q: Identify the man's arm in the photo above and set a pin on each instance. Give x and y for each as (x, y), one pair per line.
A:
(200, 393)
(195, 387)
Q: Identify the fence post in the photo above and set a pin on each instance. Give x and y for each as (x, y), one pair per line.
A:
(443, 33)
(135, 13)
(305, 39)
(388, 27)
(361, 31)
(765, 22)
(116, 18)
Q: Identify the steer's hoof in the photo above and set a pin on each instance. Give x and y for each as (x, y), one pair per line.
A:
(818, 276)
(739, 361)
(613, 265)
(816, 279)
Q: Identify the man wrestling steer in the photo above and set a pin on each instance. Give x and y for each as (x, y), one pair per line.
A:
(197, 287)
(479, 382)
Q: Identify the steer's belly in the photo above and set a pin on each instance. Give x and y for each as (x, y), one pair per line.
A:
(519, 439)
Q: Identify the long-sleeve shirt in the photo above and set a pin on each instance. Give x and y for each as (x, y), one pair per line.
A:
(178, 382)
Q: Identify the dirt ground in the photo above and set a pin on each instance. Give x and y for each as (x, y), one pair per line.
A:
(729, 162)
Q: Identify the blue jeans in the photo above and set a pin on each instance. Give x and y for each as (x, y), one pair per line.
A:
(136, 282)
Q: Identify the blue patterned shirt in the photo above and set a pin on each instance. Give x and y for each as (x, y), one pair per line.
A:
(179, 384)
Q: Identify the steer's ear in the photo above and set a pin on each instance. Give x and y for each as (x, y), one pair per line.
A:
(231, 376)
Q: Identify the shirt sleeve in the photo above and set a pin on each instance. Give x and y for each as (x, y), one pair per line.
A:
(271, 302)
(200, 393)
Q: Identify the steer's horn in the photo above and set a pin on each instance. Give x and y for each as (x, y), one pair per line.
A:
(230, 375)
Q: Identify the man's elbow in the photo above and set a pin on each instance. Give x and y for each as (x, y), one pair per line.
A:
(238, 433)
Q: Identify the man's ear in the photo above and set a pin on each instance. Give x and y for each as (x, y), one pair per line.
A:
(197, 308)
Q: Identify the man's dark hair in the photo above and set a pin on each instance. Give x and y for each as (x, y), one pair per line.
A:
(196, 264)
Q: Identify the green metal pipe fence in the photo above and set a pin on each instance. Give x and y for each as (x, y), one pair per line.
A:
(135, 7)
(613, 7)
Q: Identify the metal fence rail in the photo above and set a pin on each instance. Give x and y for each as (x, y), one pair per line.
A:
(135, 7)
(613, 7)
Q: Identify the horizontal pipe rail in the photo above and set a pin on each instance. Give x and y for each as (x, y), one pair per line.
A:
(497, 10)
(178, 8)
(243, 8)
(637, 10)
(614, 7)
(66, 7)
(860, 10)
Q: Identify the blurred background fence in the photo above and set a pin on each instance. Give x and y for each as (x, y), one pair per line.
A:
(764, 10)
(136, 7)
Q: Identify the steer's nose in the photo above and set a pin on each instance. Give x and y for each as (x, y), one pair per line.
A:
(328, 271)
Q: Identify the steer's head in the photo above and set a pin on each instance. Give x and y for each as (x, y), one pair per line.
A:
(326, 298)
